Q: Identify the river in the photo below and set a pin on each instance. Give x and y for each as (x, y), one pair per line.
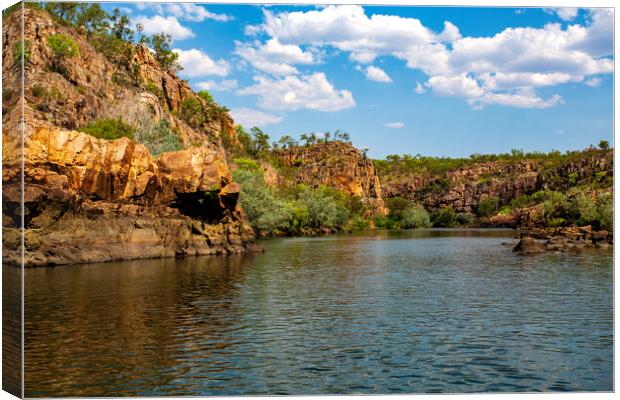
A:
(371, 312)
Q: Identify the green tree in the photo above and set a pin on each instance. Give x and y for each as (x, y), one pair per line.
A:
(166, 58)
(93, 18)
(603, 145)
(259, 142)
(444, 217)
(205, 94)
(487, 207)
(120, 26)
(415, 216)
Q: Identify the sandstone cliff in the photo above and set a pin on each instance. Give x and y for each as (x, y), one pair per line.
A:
(89, 199)
(336, 164)
(464, 187)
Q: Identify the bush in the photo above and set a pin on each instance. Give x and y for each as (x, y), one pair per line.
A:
(415, 216)
(383, 222)
(605, 211)
(21, 49)
(264, 210)
(159, 138)
(323, 210)
(205, 94)
(444, 217)
(167, 58)
(464, 218)
(247, 164)
(487, 207)
(191, 112)
(109, 129)
(63, 47)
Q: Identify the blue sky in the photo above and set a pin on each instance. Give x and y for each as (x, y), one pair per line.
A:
(440, 81)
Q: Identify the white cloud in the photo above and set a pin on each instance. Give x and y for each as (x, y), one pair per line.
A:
(524, 99)
(313, 92)
(158, 24)
(419, 89)
(223, 86)
(376, 74)
(450, 32)
(185, 11)
(395, 125)
(456, 86)
(564, 13)
(249, 117)
(273, 57)
(594, 82)
(497, 69)
(197, 63)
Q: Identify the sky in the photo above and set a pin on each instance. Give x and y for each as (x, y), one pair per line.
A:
(439, 81)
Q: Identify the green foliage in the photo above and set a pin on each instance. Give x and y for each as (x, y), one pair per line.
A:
(159, 138)
(445, 217)
(605, 211)
(264, 210)
(205, 94)
(247, 164)
(464, 218)
(603, 145)
(21, 49)
(191, 112)
(487, 207)
(109, 129)
(415, 216)
(119, 26)
(63, 47)
(167, 58)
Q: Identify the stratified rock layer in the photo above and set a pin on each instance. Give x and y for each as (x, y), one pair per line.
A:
(90, 200)
(336, 164)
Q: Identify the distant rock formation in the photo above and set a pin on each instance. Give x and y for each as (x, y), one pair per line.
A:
(336, 164)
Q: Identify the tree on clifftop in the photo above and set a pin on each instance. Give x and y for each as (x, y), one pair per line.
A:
(167, 58)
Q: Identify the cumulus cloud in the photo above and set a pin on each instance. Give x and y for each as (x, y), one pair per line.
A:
(495, 69)
(395, 125)
(564, 13)
(313, 92)
(225, 85)
(159, 24)
(185, 11)
(273, 57)
(376, 74)
(594, 82)
(250, 117)
(419, 89)
(197, 63)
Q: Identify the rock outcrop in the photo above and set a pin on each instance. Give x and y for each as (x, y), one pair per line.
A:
(465, 187)
(89, 199)
(336, 164)
(563, 239)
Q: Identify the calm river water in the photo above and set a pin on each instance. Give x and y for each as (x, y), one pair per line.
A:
(375, 312)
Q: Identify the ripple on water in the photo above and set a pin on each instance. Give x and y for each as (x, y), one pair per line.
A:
(383, 312)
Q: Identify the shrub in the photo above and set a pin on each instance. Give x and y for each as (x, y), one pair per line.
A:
(167, 58)
(109, 129)
(63, 47)
(583, 208)
(396, 206)
(323, 210)
(444, 217)
(205, 94)
(21, 49)
(159, 138)
(464, 218)
(264, 210)
(383, 222)
(487, 207)
(247, 164)
(605, 211)
(415, 216)
(191, 112)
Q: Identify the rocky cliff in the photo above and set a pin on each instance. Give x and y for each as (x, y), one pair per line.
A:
(89, 199)
(336, 164)
(464, 187)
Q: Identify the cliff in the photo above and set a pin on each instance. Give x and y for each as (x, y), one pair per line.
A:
(89, 199)
(463, 188)
(336, 164)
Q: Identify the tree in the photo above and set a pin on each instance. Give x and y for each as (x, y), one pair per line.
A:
(63, 47)
(167, 58)
(286, 142)
(603, 145)
(120, 26)
(93, 18)
(139, 30)
(66, 12)
(205, 94)
(259, 142)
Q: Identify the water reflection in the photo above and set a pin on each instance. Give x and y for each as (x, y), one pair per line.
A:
(381, 312)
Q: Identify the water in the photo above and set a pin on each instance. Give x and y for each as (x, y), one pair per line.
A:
(383, 312)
